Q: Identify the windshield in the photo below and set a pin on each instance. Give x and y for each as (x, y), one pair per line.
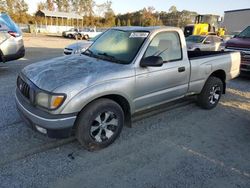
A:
(245, 33)
(195, 39)
(117, 45)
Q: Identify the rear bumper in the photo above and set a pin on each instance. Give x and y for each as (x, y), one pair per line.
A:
(55, 126)
(20, 53)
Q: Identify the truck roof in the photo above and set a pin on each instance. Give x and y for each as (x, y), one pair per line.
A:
(139, 28)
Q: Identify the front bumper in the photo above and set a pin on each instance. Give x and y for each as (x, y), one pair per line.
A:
(55, 126)
(245, 60)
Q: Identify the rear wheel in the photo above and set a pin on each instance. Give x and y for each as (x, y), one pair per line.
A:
(211, 93)
(86, 37)
(99, 124)
(70, 36)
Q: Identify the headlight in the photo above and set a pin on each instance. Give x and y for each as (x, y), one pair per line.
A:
(78, 51)
(49, 101)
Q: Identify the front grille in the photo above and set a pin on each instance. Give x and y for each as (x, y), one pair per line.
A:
(245, 67)
(23, 87)
(237, 48)
(245, 58)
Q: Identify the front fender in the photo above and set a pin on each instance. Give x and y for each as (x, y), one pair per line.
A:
(122, 87)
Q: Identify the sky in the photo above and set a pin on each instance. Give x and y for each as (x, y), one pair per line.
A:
(200, 6)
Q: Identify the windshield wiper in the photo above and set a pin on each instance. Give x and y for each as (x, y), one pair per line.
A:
(88, 52)
(110, 57)
(106, 55)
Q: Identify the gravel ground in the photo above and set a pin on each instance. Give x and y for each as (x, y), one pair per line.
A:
(181, 147)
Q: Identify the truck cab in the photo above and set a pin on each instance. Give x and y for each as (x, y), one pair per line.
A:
(241, 43)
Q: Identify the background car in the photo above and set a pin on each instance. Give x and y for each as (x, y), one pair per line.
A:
(230, 35)
(70, 33)
(79, 47)
(87, 33)
(11, 40)
(204, 43)
(241, 43)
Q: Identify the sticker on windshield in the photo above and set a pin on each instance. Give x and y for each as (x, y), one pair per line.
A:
(138, 35)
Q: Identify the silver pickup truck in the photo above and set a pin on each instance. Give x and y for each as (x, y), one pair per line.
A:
(125, 71)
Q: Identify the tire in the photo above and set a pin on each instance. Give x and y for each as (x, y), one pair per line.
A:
(99, 124)
(197, 50)
(78, 36)
(70, 36)
(86, 37)
(211, 93)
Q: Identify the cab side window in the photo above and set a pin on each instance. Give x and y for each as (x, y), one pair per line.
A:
(166, 45)
(210, 40)
(217, 39)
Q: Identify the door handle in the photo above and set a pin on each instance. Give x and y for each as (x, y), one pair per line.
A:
(181, 69)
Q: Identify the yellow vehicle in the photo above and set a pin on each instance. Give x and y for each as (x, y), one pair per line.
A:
(204, 25)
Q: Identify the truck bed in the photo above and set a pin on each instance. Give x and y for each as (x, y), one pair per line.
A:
(203, 54)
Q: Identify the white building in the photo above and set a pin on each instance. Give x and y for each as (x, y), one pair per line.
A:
(236, 20)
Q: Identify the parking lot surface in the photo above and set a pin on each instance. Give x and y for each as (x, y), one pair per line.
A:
(183, 146)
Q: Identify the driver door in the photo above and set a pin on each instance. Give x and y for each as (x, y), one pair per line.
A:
(155, 85)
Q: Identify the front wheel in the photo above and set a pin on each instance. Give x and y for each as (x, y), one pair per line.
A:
(99, 124)
(211, 93)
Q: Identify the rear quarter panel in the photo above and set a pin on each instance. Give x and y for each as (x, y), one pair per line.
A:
(202, 68)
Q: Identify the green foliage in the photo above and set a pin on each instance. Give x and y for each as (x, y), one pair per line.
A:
(118, 23)
(17, 9)
(124, 23)
(102, 17)
(128, 22)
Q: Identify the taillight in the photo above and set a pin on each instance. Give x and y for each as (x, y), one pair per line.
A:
(14, 34)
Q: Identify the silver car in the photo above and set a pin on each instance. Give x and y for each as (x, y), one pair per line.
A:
(79, 47)
(204, 43)
(11, 40)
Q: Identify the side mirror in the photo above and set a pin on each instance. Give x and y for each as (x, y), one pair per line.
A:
(207, 42)
(152, 61)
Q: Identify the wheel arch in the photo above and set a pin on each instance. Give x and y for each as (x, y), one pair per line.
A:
(120, 100)
(1, 57)
(222, 76)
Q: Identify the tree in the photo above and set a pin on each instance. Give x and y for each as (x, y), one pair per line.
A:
(123, 23)
(172, 9)
(65, 5)
(118, 24)
(50, 5)
(59, 4)
(21, 9)
(41, 6)
(3, 6)
(109, 14)
(128, 22)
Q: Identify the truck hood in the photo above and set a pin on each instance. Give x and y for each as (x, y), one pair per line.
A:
(238, 42)
(74, 72)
